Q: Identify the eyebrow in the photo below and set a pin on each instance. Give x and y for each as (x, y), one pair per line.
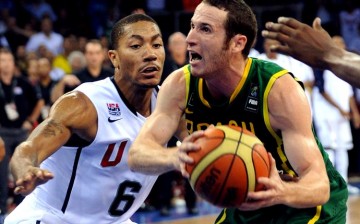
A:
(139, 37)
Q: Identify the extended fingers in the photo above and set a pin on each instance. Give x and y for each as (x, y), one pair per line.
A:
(280, 28)
(290, 22)
(31, 179)
(193, 137)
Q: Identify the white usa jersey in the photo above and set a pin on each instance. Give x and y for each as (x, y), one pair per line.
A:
(93, 183)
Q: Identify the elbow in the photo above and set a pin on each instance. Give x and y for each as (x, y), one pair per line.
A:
(324, 194)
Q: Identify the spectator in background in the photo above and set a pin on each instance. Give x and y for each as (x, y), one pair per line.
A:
(355, 42)
(47, 37)
(349, 22)
(56, 73)
(332, 111)
(300, 70)
(176, 54)
(354, 154)
(254, 53)
(77, 61)
(20, 105)
(82, 41)
(94, 70)
(21, 58)
(15, 35)
(61, 60)
(46, 85)
(32, 69)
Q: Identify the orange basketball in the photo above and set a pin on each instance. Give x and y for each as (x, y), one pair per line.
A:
(228, 165)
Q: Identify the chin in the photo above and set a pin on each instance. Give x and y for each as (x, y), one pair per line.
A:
(149, 85)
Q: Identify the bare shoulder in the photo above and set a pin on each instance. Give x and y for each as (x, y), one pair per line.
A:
(287, 100)
(74, 110)
(172, 92)
(176, 77)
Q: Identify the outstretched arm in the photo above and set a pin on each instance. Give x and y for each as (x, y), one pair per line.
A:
(71, 112)
(313, 46)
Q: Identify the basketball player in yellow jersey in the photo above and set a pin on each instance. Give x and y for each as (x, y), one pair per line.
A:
(222, 85)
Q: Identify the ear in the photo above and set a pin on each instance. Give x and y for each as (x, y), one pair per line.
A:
(113, 58)
(238, 43)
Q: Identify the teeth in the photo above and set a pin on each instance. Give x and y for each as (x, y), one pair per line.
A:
(195, 59)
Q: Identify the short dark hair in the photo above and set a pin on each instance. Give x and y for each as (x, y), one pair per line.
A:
(118, 28)
(240, 20)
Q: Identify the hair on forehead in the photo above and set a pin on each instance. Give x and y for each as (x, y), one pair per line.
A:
(119, 27)
(240, 20)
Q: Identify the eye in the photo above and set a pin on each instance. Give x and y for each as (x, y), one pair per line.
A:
(206, 29)
(157, 46)
(135, 46)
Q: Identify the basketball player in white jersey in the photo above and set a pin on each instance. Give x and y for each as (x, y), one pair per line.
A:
(73, 167)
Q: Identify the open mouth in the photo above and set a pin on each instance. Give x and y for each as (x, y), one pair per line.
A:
(195, 57)
(150, 69)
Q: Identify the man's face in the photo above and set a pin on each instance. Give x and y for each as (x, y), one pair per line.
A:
(94, 55)
(7, 64)
(177, 44)
(140, 54)
(206, 40)
(44, 67)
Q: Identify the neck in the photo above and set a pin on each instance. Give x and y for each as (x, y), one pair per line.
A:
(45, 81)
(224, 85)
(138, 97)
(6, 78)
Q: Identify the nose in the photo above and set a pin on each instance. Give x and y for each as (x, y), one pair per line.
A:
(190, 38)
(149, 54)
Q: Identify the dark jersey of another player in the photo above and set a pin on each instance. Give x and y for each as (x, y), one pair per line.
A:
(248, 108)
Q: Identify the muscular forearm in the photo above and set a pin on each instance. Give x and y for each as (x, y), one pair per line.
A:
(303, 194)
(153, 160)
(346, 65)
(22, 159)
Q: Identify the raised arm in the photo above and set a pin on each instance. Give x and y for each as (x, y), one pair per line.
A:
(313, 46)
(71, 112)
(148, 154)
